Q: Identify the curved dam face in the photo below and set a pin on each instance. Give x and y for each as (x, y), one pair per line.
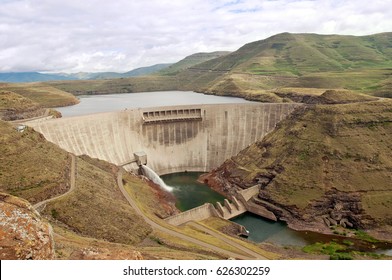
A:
(175, 139)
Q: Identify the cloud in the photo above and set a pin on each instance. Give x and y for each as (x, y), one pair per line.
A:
(100, 35)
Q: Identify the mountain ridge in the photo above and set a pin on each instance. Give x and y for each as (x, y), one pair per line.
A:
(27, 77)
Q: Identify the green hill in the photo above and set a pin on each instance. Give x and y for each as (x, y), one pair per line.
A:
(301, 60)
(299, 54)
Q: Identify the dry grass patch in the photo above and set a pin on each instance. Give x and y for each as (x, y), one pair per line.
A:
(43, 94)
(31, 167)
(97, 208)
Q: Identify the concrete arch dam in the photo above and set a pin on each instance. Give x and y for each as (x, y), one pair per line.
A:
(175, 138)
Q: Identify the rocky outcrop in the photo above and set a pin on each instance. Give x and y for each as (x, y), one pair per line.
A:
(23, 233)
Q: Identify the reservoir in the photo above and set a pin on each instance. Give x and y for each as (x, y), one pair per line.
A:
(90, 104)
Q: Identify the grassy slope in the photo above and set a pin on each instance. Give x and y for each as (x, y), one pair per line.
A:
(43, 94)
(96, 208)
(324, 149)
(310, 60)
(14, 106)
(190, 61)
(13, 101)
(122, 85)
(31, 167)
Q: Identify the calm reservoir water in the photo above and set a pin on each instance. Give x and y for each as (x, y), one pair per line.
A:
(90, 104)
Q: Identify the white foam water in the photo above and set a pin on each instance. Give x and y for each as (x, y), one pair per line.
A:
(150, 174)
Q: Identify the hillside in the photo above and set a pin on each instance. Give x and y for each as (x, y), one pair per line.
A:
(44, 95)
(299, 54)
(301, 60)
(23, 157)
(34, 169)
(14, 106)
(190, 61)
(123, 85)
(326, 162)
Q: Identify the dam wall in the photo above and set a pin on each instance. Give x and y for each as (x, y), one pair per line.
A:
(175, 138)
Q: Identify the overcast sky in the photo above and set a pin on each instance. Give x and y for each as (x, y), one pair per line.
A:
(120, 35)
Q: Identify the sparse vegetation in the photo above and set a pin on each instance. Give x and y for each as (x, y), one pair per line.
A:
(333, 249)
(31, 167)
(96, 208)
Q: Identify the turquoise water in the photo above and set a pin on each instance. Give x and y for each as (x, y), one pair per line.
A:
(261, 229)
(188, 192)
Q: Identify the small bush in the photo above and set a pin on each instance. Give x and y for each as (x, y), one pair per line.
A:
(54, 213)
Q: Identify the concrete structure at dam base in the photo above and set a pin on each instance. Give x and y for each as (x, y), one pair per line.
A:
(173, 139)
(241, 203)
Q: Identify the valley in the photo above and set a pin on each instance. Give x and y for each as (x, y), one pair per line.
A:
(316, 144)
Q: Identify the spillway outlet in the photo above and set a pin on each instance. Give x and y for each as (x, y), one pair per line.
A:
(178, 115)
(141, 158)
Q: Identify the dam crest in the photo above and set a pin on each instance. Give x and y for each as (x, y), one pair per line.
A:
(175, 138)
